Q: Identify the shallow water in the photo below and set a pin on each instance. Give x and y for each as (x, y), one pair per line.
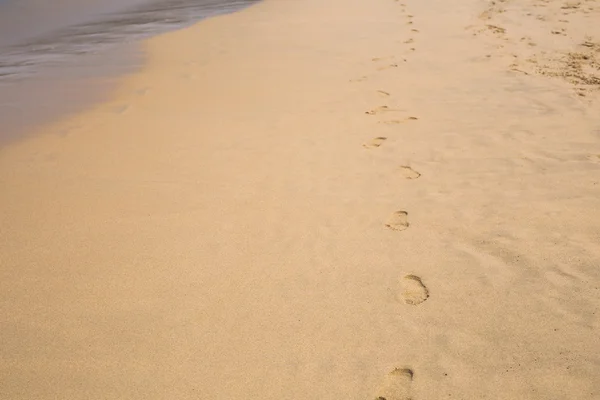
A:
(57, 58)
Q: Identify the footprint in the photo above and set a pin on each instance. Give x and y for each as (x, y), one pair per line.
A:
(594, 158)
(413, 292)
(496, 29)
(398, 221)
(121, 109)
(515, 69)
(387, 67)
(380, 109)
(396, 385)
(398, 121)
(374, 143)
(392, 122)
(409, 173)
(382, 58)
(361, 79)
(383, 93)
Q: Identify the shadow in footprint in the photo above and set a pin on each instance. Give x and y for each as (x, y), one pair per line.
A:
(396, 385)
(413, 291)
(375, 142)
(398, 221)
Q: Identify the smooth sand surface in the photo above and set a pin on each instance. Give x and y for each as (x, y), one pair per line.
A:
(319, 200)
(57, 58)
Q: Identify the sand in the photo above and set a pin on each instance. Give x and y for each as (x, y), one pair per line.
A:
(318, 200)
(57, 59)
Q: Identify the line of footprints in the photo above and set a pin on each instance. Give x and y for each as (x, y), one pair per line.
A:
(397, 383)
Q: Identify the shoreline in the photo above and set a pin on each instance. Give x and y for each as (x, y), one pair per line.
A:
(31, 104)
(306, 201)
(75, 65)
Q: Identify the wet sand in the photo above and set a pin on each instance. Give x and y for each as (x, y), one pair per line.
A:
(306, 200)
(61, 58)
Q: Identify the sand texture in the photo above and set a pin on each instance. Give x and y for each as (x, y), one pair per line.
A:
(311, 199)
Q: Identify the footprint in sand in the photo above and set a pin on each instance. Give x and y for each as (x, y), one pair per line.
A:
(361, 79)
(398, 121)
(375, 142)
(413, 291)
(388, 59)
(380, 109)
(396, 385)
(383, 93)
(398, 221)
(121, 109)
(594, 158)
(409, 173)
(387, 67)
(496, 29)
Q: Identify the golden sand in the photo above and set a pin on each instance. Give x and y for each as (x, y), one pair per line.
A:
(319, 200)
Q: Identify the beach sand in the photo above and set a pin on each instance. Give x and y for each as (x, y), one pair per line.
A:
(318, 200)
(58, 59)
